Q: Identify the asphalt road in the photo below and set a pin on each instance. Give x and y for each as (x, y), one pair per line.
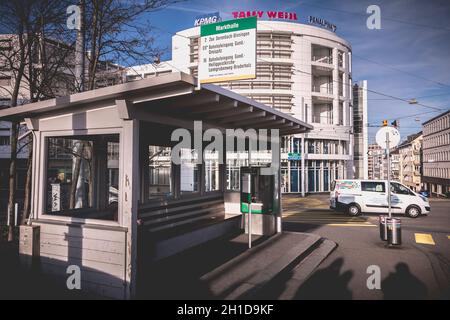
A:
(418, 269)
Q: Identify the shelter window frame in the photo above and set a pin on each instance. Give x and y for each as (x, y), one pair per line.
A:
(42, 177)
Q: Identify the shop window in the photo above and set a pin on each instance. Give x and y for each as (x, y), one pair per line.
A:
(83, 176)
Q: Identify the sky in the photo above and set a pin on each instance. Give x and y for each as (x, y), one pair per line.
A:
(409, 57)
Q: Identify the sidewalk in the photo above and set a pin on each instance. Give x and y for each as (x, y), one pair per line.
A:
(227, 269)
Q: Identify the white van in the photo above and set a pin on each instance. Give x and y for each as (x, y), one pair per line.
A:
(357, 196)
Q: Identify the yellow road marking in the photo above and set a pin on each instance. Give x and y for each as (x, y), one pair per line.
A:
(448, 237)
(424, 238)
(350, 225)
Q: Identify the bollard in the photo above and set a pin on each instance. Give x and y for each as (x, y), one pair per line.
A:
(383, 227)
(394, 231)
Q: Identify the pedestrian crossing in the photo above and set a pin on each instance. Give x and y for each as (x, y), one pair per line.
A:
(327, 217)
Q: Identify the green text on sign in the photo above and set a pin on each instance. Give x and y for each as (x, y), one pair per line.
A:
(228, 26)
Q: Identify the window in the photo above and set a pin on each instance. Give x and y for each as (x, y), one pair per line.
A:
(160, 172)
(212, 173)
(311, 147)
(400, 189)
(83, 176)
(373, 186)
(4, 140)
(189, 171)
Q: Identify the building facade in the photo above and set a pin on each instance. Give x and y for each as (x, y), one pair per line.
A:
(360, 130)
(375, 162)
(304, 71)
(436, 154)
(395, 164)
(410, 155)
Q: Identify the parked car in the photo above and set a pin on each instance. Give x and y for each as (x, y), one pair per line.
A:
(357, 196)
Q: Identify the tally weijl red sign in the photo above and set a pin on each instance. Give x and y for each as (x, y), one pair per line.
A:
(281, 15)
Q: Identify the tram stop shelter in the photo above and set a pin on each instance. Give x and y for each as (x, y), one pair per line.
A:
(106, 196)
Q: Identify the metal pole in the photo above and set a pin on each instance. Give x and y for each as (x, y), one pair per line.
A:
(249, 213)
(388, 156)
(250, 223)
(16, 211)
(250, 144)
(9, 216)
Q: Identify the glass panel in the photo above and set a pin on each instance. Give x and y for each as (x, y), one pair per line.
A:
(235, 161)
(160, 172)
(311, 185)
(189, 171)
(294, 180)
(78, 186)
(212, 173)
(326, 177)
(69, 183)
(373, 186)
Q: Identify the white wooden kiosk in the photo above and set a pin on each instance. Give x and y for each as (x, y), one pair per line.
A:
(99, 197)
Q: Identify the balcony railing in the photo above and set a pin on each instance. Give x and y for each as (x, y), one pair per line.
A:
(328, 89)
(323, 59)
(322, 119)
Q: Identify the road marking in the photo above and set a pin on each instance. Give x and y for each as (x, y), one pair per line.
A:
(351, 225)
(448, 237)
(424, 238)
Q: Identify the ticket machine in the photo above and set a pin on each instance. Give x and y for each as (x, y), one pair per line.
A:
(258, 190)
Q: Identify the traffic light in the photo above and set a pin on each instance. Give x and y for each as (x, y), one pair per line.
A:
(395, 123)
(385, 123)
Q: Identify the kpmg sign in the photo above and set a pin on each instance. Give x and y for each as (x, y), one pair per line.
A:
(207, 19)
(322, 23)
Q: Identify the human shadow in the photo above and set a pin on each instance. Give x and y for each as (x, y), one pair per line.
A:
(327, 284)
(402, 285)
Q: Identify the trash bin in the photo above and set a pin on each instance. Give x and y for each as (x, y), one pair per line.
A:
(394, 231)
(383, 227)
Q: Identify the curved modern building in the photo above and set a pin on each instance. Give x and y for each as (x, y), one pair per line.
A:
(304, 71)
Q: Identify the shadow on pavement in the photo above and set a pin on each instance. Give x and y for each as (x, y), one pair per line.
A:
(327, 284)
(402, 285)
(178, 277)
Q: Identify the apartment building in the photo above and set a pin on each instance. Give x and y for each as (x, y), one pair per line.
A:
(360, 130)
(436, 154)
(410, 158)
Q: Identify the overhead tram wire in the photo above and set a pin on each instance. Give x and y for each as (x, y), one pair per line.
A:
(401, 71)
(446, 28)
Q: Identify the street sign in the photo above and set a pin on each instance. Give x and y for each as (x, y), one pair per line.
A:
(227, 51)
(394, 137)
